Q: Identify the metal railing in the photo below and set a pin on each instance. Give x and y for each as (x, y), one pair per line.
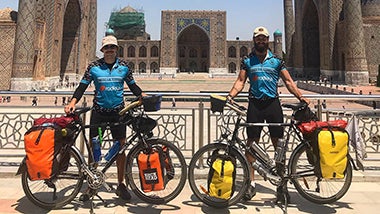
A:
(190, 125)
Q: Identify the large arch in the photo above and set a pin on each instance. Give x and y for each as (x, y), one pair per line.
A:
(70, 44)
(310, 39)
(193, 45)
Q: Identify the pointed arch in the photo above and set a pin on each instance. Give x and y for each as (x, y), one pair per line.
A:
(70, 39)
(193, 46)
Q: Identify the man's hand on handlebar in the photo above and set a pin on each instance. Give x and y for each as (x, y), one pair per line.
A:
(229, 99)
(304, 99)
(69, 108)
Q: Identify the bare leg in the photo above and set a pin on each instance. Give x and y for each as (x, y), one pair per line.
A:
(251, 192)
(120, 162)
(250, 158)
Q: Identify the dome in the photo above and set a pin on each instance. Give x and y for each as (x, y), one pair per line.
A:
(277, 33)
(109, 31)
(370, 8)
(128, 9)
(7, 14)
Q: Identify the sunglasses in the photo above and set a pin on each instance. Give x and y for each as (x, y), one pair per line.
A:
(109, 47)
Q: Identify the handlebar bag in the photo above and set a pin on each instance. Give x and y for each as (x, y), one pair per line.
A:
(151, 170)
(221, 176)
(42, 146)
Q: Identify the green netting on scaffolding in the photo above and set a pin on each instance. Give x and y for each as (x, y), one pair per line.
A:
(126, 20)
(127, 25)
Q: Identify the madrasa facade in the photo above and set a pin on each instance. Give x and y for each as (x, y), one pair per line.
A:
(48, 43)
(337, 39)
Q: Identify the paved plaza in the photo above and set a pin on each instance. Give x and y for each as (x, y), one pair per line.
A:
(361, 198)
(194, 83)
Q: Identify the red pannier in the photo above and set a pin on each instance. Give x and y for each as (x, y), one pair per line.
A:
(62, 121)
(309, 127)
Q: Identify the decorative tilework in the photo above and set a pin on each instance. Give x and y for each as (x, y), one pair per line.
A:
(182, 23)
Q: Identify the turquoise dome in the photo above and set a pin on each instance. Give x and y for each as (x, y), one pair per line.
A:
(277, 33)
(109, 31)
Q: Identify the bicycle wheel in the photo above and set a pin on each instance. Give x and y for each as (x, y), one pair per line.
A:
(176, 173)
(199, 169)
(57, 191)
(312, 188)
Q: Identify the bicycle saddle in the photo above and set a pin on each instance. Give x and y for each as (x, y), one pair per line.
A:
(295, 106)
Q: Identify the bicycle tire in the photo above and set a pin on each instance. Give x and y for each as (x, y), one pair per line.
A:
(305, 180)
(198, 175)
(173, 186)
(68, 184)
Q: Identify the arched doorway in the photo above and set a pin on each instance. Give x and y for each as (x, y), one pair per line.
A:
(70, 46)
(310, 38)
(193, 45)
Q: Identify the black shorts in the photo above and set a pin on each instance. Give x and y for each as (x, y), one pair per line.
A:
(118, 132)
(269, 111)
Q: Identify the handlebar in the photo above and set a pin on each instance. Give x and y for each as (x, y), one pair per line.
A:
(79, 111)
(219, 102)
(130, 106)
(239, 109)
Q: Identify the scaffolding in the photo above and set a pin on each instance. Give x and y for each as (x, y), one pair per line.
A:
(127, 23)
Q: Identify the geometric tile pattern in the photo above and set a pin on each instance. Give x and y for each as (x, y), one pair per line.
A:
(289, 24)
(180, 129)
(355, 46)
(40, 40)
(24, 45)
(7, 39)
(212, 22)
(349, 38)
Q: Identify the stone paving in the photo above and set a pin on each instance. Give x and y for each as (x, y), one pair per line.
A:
(194, 83)
(361, 198)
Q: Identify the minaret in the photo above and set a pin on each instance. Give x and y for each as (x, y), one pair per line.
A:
(24, 54)
(355, 57)
(289, 29)
(92, 29)
(277, 35)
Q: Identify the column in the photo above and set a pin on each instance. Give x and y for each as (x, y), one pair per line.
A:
(278, 43)
(92, 29)
(355, 56)
(23, 60)
(289, 29)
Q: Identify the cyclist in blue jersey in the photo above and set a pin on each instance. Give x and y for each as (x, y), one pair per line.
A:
(263, 69)
(108, 75)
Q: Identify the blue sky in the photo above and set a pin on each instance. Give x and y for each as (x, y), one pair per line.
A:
(242, 15)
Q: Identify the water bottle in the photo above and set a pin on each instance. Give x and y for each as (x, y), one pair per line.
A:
(112, 151)
(262, 154)
(96, 148)
(280, 151)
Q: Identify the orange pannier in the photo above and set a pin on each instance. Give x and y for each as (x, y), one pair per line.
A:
(42, 144)
(152, 170)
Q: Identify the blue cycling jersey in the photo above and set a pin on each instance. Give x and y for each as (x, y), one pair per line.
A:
(263, 77)
(109, 83)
